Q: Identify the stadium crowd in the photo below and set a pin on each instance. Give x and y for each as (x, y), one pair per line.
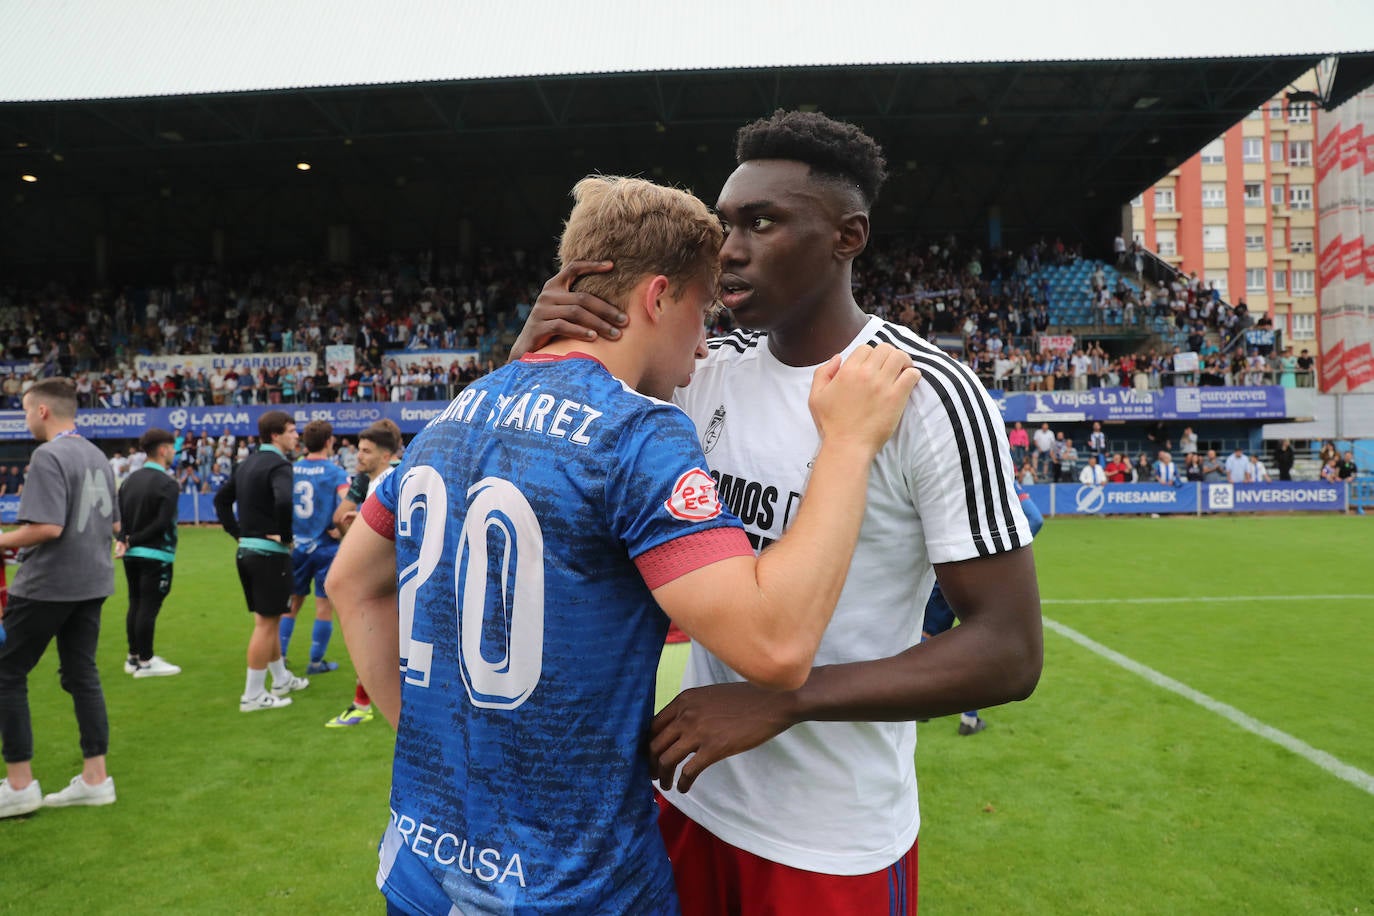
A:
(984, 308)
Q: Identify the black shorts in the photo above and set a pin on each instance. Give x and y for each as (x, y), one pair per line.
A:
(266, 579)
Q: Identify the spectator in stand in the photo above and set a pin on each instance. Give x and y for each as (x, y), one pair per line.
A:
(1118, 470)
(1027, 474)
(1142, 471)
(1093, 474)
(1347, 468)
(1097, 443)
(1305, 366)
(1068, 462)
(1284, 460)
(1192, 468)
(1044, 447)
(1328, 452)
(1237, 466)
(1187, 443)
(1256, 472)
(1019, 441)
(1331, 472)
(1165, 471)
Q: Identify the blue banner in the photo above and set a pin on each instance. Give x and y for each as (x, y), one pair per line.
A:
(9, 509)
(129, 423)
(1311, 496)
(1197, 405)
(1188, 498)
(1191, 404)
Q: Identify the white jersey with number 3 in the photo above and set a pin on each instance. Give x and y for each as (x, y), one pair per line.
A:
(840, 797)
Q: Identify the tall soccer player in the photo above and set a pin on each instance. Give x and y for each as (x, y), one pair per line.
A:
(809, 803)
(539, 525)
(318, 486)
(148, 546)
(260, 489)
(378, 448)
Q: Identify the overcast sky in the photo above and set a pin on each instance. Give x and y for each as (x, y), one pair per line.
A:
(53, 49)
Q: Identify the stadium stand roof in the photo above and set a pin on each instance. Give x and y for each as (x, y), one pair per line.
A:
(431, 124)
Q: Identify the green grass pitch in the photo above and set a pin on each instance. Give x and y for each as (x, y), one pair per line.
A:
(1103, 793)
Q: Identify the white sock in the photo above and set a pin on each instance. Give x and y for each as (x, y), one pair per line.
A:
(279, 673)
(257, 683)
(967, 719)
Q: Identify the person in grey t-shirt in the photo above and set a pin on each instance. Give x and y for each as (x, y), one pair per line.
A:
(68, 515)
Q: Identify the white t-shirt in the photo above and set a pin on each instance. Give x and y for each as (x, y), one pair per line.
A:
(1044, 440)
(840, 797)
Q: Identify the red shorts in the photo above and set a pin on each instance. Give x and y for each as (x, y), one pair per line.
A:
(716, 879)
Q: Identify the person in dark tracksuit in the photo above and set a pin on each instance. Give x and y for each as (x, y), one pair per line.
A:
(261, 488)
(148, 545)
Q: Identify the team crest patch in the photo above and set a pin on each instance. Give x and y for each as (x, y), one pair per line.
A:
(714, 429)
(694, 497)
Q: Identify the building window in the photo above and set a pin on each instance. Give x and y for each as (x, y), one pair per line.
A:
(1276, 195)
(1254, 280)
(1304, 325)
(1299, 113)
(1276, 151)
(1138, 200)
(1280, 281)
(1214, 194)
(1301, 246)
(1254, 238)
(1280, 238)
(1252, 149)
(1164, 199)
(1219, 281)
(1214, 153)
(1256, 115)
(1166, 241)
(1276, 108)
(1213, 238)
(1254, 194)
(1299, 152)
(1304, 282)
(1300, 197)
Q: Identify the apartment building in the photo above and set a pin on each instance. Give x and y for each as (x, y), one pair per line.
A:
(1242, 214)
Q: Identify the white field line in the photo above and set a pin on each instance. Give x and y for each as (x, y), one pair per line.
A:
(1353, 775)
(1218, 599)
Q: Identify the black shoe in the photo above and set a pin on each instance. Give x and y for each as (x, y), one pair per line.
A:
(978, 725)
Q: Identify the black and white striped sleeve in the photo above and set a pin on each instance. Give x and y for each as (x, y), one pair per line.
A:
(960, 470)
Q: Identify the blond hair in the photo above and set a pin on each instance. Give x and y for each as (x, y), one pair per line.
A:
(645, 228)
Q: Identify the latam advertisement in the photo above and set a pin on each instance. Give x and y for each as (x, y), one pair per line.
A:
(1188, 498)
(346, 418)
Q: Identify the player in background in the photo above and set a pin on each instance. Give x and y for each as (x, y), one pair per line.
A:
(806, 801)
(940, 616)
(68, 515)
(378, 449)
(540, 523)
(260, 487)
(148, 546)
(317, 489)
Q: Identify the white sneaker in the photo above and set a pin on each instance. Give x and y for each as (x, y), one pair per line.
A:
(157, 666)
(262, 701)
(130, 666)
(292, 683)
(79, 792)
(14, 802)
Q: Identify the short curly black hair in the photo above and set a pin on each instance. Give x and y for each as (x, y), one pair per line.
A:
(833, 148)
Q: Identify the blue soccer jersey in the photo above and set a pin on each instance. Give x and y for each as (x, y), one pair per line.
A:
(315, 495)
(532, 518)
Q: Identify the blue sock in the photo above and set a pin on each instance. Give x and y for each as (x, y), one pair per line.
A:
(288, 625)
(319, 639)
